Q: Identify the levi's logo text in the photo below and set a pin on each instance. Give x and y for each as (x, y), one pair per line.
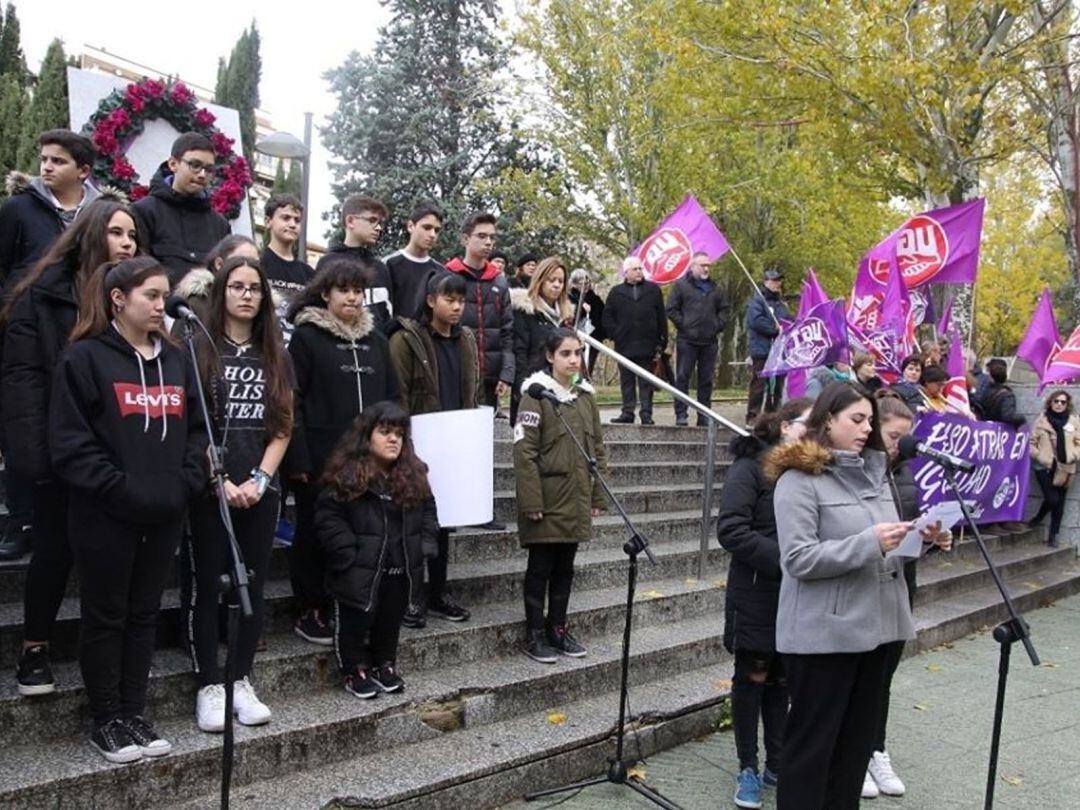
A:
(133, 399)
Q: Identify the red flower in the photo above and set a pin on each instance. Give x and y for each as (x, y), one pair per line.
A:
(222, 143)
(105, 141)
(204, 118)
(138, 191)
(122, 170)
(119, 119)
(181, 95)
(154, 89)
(137, 105)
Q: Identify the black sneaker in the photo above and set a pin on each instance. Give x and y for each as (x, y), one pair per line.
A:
(493, 526)
(15, 543)
(143, 734)
(361, 684)
(34, 675)
(559, 638)
(386, 678)
(113, 741)
(623, 419)
(445, 608)
(311, 627)
(647, 420)
(414, 617)
(538, 649)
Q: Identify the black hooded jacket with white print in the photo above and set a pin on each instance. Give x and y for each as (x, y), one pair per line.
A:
(128, 431)
(339, 372)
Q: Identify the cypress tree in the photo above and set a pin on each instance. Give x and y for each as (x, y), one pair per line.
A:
(12, 106)
(49, 107)
(12, 61)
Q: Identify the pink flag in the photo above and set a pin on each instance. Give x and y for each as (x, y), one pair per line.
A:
(667, 253)
(1064, 365)
(812, 295)
(939, 247)
(944, 326)
(1042, 340)
(956, 390)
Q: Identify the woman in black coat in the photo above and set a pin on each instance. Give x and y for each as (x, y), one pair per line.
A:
(746, 528)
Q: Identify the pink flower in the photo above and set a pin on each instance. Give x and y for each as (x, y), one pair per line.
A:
(122, 170)
(181, 95)
(204, 118)
(105, 141)
(154, 89)
(138, 191)
(222, 143)
(119, 119)
(137, 105)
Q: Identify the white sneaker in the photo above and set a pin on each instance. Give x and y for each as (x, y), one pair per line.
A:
(869, 787)
(210, 707)
(884, 776)
(250, 711)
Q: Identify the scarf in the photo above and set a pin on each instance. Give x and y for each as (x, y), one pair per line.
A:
(1057, 422)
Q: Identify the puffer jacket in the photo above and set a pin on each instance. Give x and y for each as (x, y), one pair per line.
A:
(531, 330)
(839, 593)
(488, 313)
(551, 475)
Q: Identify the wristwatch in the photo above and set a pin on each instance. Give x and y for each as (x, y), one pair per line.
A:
(261, 478)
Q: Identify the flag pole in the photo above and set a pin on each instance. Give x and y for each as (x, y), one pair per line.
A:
(753, 284)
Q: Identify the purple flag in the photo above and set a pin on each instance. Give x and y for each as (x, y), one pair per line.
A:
(815, 340)
(944, 326)
(939, 247)
(883, 322)
(1064, 364)
(667, 253)
(812, 295)
(998, 486)
(1042, 340)
(955, 391)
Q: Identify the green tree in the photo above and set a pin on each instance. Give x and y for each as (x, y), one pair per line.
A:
(238, 84)
(12, 61)
(12, 106)
(48, 108)
(287, 180)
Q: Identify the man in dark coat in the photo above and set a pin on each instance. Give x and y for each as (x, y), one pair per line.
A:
(176, 219)
(763, 314)
(999, 401)
(699, 310)
(634, 319)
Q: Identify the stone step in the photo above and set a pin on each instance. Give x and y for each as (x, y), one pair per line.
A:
(635, 474)
(624, 451)
(638, 433)
(941, 576)
(313, 728)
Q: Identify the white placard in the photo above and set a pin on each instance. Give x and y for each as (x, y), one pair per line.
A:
(459, 449)
(88, 88)
(948, 512)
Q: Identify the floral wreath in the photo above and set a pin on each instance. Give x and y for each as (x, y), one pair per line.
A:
(120, 119)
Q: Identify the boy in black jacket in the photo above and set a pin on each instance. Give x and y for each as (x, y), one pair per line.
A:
(287, 274)
(412, 267)
(176, 219)
(363, 219)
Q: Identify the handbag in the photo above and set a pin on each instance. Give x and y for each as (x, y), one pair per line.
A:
(661, 367)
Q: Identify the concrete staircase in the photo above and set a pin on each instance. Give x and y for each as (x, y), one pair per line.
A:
(479, 723)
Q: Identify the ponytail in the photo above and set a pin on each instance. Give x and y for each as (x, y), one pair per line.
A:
(95, 305)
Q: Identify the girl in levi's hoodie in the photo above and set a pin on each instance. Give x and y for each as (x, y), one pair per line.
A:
(126, 436)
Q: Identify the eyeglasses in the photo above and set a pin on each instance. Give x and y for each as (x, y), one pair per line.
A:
(240, 290)
(1059, 401)
(198, 167)
(375, 222)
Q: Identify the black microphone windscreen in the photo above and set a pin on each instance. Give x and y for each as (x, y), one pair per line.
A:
(173, 304)
(537, 391)
(909, 446)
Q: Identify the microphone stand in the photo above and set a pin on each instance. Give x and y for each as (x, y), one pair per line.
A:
(1013, 629)
(233, 584)
(617, 766)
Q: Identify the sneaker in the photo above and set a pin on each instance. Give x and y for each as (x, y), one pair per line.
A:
(386, 678)
(623, 419)
(34, 674)
(15, 543)
(748, 788)
(681, 421)
(647, 420)
(445, 608)
(769, 778)
(113, 741)
(869, 787)
(311, 627)
(361, 684)
(250, 711)
(538, 650)
(492, 526)
(150, 743)
(210, 708)
(881, 771)
(559, 638)
(414, 617)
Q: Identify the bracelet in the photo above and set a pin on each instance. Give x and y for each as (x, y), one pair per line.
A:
(261, 478)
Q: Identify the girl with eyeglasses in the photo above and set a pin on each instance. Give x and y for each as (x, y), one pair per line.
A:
(1055, 448)
(248, 380)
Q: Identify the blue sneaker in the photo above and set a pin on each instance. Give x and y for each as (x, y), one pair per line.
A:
(748, 789)
(285, 532)
(769, 778)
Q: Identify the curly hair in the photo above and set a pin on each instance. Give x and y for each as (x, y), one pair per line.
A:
(351, 469)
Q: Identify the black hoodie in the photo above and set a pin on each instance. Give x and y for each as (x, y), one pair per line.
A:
(180, 229)
(377, 295)
(128, 432)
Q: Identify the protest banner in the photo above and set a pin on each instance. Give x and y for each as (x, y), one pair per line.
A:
(666, 254)
(998, 486)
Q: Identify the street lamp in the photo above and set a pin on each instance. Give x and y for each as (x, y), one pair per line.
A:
(286, 146)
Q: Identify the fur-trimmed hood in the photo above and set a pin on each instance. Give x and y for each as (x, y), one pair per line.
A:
(806, 456)
(196, 284)
(23, 183)
(520, 301)
(321, 317)
(563, 394)
(17, 183)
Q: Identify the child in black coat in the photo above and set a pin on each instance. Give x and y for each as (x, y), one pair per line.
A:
(376, 521)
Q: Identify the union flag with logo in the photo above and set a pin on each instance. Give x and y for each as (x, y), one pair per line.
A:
(667, 253)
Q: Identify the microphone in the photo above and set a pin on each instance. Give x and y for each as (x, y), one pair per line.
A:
(911, 447)
(177, 308)
(537, 391)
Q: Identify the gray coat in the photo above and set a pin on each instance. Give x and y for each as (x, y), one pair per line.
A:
(838, 593)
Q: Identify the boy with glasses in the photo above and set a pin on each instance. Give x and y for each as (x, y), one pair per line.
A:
(363, 218)
(175, 218)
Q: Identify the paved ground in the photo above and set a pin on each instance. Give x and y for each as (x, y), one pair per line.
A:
(939, 736)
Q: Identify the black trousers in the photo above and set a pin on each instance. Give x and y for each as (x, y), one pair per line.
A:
(894, 652)
(549, 574)
(1053, 501)
(631, 386)
(490, 397)
(370, 638)
(766, 393)
(50, 565)
(437, 568)
(688, 357)
(835, 704)
(759, 690)
(18, 493)
(307, 559)
(122, 570)
(209, 556)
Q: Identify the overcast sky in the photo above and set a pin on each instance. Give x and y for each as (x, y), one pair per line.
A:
(300, 41)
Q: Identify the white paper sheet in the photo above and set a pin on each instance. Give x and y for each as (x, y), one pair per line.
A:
(948, 512)
(459, 449)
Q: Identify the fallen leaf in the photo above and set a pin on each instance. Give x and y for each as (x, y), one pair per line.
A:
(933, 668)
(557, 719)
(636, 773)
(920, 707)
(722, 685)
(653, 594)
(1049, 665)
(720, 583)
(1032, 585)
(1015, 781)
(690, 581)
